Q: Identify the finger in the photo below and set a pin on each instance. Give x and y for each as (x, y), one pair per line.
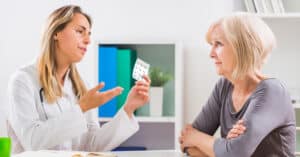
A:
(241, 121)
(142, 88)
(180, 139)
(234, 130)
(189, 126)
(182, 132)
(234, 135)
(147, 79)
(144, 96)
(186, 128)
(109, 94)
(98, 87)
(244, 128)
(230, 136)
(185, 144)
(181, 147)
(239, 127)
(231, 131)
(237, 131)
(194, 151)
(185, 150)
(142, 83)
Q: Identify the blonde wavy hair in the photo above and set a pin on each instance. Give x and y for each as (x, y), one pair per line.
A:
(47, 65)
(251, 39)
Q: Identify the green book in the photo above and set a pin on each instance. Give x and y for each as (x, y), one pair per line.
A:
(125, 63)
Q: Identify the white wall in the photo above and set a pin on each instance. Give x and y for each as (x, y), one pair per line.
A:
(175, 20)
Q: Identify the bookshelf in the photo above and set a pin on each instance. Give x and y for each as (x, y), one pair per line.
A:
(273, 8)
(159, 132)
(283, 61)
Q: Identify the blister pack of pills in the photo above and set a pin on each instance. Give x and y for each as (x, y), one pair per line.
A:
(140, 68)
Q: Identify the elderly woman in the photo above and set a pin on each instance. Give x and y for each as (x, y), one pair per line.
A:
(253, 111)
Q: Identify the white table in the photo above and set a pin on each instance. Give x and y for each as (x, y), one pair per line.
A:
(156, 153)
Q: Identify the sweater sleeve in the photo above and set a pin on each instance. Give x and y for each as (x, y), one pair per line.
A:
(208, 120)
(262, 116)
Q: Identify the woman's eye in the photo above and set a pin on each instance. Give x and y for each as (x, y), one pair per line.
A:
(79, 31)
(217, 43)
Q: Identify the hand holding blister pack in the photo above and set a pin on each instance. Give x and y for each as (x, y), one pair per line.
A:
(140, 68)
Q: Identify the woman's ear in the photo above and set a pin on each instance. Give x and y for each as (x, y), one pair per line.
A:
(55, 36)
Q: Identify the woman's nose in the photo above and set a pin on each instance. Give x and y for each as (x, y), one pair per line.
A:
(212, 53)
(87, 39)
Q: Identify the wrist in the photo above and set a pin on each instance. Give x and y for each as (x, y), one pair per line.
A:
(83, 108)
(128, 110)
(198, 143)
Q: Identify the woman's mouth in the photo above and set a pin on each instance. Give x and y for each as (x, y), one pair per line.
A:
(83, 49)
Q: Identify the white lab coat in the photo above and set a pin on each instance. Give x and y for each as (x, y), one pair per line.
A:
(62, 125)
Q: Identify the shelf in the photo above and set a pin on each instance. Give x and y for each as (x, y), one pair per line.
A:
(147, 119)
(297, 106)
(158, 132)
(279, 16)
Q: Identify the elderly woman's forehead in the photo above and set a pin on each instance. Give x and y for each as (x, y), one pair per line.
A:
(217, 32)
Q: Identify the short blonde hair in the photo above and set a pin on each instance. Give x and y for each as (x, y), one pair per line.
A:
(47, 64)
(251, 39)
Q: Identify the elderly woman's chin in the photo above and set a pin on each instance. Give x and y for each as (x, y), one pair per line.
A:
(219, 71)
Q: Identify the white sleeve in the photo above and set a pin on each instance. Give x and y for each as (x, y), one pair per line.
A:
(32, 132)
(111, 134)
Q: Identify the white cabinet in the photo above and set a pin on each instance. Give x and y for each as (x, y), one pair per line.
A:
(158, 132)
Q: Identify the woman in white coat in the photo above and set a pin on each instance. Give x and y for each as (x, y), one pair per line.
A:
(51, 107)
